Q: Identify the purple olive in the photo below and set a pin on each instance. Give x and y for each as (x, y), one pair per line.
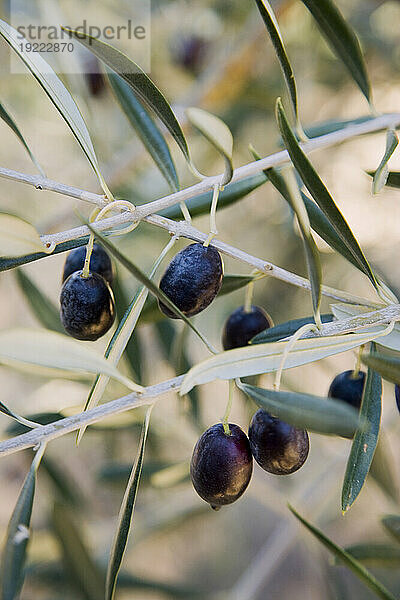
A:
(278, 447)
(221, 465)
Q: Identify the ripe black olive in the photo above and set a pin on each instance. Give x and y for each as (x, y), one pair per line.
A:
(221, 465)
(241, 326)
(348, 388)
(192, 279)
(87, 306)
(100, 262)
(278, 447)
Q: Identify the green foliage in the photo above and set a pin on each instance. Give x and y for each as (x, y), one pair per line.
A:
(345, 558)
(18, 534)
(7, 118)
(125, 515)
(342, 39)
(365, 440)
(146, 129)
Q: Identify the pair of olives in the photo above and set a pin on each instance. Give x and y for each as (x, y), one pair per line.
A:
(191, 281)
(87, 307)
(222, 463)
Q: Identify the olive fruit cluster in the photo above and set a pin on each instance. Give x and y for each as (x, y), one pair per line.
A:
(222, 461)
(87, 308)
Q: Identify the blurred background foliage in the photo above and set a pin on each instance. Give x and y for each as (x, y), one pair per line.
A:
(214, 54)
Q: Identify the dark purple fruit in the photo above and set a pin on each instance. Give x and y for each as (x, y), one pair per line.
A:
(278, 447)
(397, 395)
(221, 465)
(348, 388)
(100, 262)
(241, 326)
(192, 279)
(87, 306)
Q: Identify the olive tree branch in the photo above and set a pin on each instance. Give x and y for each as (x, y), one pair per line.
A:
(147, 211)
(274, 160)
(185, 229)
(46, 433)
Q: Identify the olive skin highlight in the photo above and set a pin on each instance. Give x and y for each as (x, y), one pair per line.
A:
(241, 326)
(348, 388)
(221, 465)
(87, 306)
(192, 280)
(100, 263)
(278, 447)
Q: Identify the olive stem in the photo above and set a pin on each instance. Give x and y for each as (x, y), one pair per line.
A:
(228, 408)
(357, 367)
(213, 216)
(296, 336)
(89, 250)
(185, 212)
(249, 293)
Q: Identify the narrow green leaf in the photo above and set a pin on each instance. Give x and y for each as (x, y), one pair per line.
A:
(295, 201)
(133, 349)
(375, 554)
(382, 172)
(232, 192)
(18, 534)
(392, 525)
(8, 263)
(43, 309)
(266, 358)
(137, 80)
(51, 350)
(284, 330)
(272, 26)
(7, 118)
(365, 441)
(387, 367)
(82, 570)
(357, 568)
(319, 192)
(342, 39)
(305, 411)
(17, 237)
(217, 133)
(150, 285)
(57, 93)
(393, 178)
(125, 515)
(146, 129)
